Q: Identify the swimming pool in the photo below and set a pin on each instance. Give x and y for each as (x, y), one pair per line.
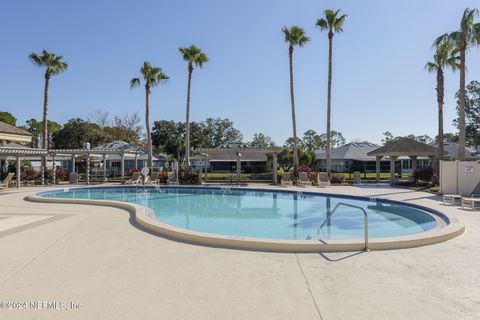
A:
(272, 214)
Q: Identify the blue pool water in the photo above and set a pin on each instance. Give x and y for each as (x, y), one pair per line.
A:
(265, 214)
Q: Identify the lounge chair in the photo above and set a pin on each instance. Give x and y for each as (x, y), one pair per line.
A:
(452, 198)
(172, 178)
(286, 180)
(303, 179)
(135, 179)
(8, 180)
(323, 180)
(154, 178)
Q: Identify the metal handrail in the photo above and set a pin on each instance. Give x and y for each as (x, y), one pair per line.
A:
(365, 219)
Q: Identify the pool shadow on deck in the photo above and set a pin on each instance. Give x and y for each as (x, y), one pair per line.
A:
(350, 255)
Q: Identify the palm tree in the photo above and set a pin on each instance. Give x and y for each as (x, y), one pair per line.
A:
(54, 65)
(294, 36)
(445, 57)
(194, 56)
(467, 36)
(152, 77)
(333, 23)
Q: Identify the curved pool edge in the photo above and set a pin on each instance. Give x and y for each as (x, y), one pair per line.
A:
(145, 218)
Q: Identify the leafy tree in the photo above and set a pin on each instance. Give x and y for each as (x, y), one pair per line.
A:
(289, 143)
(152, 77)
(126, 128)
(336, 139)
(36, 128)
(75, 132)
(54, 65)
(450, 137)
(463, 39)
(333, 23)
(169, 137)
(422, 138)
(472, 113)
(285, 159)
(313, 141)
(294, 36)
(220, 131)
(262, 141)
(444, 57)
(387, 137)
(7, 117)
(194, 56)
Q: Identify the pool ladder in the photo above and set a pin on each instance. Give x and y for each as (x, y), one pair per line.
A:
(365, 219)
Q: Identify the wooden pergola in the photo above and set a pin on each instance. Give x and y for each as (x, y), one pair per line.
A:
(88, 153)
(238, 153)
(402, 147)
(20, 153)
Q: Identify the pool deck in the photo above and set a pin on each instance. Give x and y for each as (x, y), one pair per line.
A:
(97, 257)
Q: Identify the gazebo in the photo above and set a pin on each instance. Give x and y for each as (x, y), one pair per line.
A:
(402, 147)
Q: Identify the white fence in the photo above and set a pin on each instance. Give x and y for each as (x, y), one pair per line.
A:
(459, 177)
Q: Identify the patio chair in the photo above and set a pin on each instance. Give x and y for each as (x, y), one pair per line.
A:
(452, 198)
(286, 179)
(135, 179)
(154, 178)
(8, 180)
(303, 179)
(323, 180)
(172, 178)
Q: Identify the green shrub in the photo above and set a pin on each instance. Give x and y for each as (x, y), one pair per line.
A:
(186, 177)
(337, 178)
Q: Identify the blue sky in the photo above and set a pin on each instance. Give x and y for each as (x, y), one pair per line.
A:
(379, 82)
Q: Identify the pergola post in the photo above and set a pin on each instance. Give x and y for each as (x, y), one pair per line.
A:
(73, 163)
(274, 167)
(88, 168)
(54, 173)
(18, 172)
(104, 167)
(206, 168)
(377, 168)
(414, 163)
(392, 169)
(42, 169)
(136, 160)
(239, 167)
(122, 165)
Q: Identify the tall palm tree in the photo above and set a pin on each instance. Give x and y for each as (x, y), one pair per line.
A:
(152, 76)
(445, 57)
(194, 56)
(54, 65)
(464, 38)
(294, 36)
(333, 23)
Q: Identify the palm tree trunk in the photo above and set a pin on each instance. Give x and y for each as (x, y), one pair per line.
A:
(147, 126)
(294, 121)
(45, 125)
(461, 108)
(329, 105)
(440, 94)
(187, 120)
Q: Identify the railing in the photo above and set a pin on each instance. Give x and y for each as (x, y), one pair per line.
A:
(365, 219)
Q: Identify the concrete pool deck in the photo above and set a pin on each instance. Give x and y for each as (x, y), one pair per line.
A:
(95, 257)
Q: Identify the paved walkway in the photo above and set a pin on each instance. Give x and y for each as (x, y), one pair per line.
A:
(95, 258)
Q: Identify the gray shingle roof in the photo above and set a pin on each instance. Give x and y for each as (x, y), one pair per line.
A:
(6, 128)
(405, 147)
(351, 151)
